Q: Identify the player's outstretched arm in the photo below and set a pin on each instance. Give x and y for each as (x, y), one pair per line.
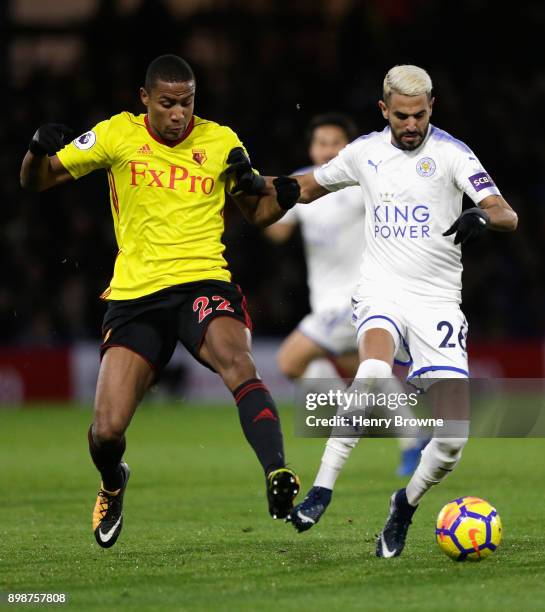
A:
(278, 196)
(309, 187)
(41, 168)
(502, 218)
(262, 210)
(492, 213)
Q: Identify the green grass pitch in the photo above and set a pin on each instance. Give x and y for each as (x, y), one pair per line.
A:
(197, 535)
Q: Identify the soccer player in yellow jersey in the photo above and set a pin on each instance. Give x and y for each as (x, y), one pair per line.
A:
(168, 172)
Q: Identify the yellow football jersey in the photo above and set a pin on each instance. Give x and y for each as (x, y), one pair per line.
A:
(167, 200)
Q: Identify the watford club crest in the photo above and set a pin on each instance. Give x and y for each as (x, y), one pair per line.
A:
(199, 156)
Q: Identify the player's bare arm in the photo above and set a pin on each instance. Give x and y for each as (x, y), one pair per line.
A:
(39, 173)
(279, 195)
(254, 194)
(260, 210)
(287, 191)
(41, 168)
(310, 188)
(492, 213)
(262, 200)
(502, 217)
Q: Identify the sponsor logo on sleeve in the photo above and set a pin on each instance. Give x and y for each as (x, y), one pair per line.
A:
(426, 166)
(481, 180)
(85, 141)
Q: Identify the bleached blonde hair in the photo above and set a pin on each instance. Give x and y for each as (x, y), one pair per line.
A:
(407, 80)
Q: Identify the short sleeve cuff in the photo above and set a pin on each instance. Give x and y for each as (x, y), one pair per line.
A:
(321, 179)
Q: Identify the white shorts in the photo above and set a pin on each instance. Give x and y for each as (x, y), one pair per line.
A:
(331, 329)
(430, 339)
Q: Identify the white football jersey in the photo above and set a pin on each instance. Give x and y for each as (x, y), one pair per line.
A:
(411, 198)
(332, 229)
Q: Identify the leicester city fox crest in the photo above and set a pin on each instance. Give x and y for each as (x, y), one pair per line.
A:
(425, 166)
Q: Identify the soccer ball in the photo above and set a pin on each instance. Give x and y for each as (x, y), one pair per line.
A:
(468, 529)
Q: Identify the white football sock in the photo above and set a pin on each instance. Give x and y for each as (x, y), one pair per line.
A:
(338, 450)
(409, 436)
(438, 459)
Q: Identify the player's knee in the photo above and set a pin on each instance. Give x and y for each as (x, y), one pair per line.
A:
(108, 430)
(373, 369)
(288, 367)
(237, 367)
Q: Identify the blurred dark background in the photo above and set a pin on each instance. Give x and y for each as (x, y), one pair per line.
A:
(264, 68)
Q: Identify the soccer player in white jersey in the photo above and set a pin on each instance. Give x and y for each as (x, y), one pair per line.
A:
(332, 231)
(412, 176)
(332, 235)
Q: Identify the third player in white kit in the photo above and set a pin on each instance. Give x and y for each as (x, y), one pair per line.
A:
(412, 176)
(332, 233)
(323, 347)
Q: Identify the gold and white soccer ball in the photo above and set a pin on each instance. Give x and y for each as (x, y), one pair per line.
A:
(468, 529)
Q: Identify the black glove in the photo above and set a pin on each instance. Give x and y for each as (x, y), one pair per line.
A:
(50, 138)
(470, 224)
(288, 191)
(248, 181)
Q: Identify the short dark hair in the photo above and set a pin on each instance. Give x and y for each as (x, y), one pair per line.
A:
(340, 120)
(169, 68)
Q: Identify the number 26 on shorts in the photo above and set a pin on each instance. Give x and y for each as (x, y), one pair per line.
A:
(446, 328)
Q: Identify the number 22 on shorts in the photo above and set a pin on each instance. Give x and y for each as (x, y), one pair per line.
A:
(201, 304)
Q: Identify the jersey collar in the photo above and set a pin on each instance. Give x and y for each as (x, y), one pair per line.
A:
(170, 143)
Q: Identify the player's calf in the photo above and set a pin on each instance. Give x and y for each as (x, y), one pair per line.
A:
(106, 454)
(439, 458)
(260, 423)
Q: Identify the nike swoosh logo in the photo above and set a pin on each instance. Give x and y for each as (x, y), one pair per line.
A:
(304, 519)
(386, 552)
(105, 537)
